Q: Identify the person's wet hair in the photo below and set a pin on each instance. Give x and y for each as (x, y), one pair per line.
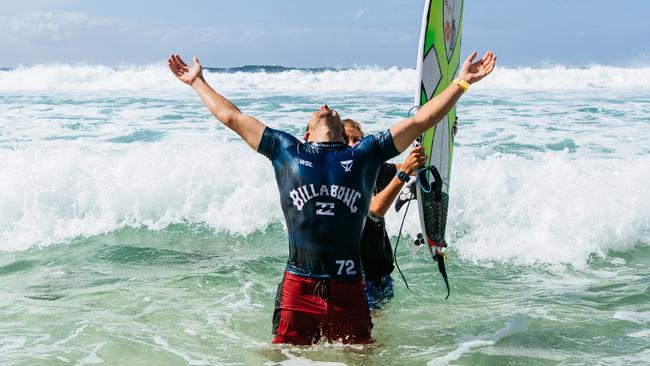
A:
(352, 124)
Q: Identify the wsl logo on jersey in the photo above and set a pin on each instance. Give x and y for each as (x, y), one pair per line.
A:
(306, 163)
(303, 194)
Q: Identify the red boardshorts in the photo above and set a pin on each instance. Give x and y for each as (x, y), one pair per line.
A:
(308, 308)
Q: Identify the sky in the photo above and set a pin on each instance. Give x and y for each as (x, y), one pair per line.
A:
(336, 33)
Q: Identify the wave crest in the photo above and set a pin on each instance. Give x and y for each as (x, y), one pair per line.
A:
(73, 78)
(552, 208)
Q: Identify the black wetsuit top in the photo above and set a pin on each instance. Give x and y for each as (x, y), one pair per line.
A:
(376, 251)
(325, 191)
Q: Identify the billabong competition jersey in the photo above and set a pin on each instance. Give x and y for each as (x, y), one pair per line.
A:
(325, 191)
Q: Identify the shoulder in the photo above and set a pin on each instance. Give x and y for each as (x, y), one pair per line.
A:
(273, 141)
(280, 135)
(380, 143)
(370, 141)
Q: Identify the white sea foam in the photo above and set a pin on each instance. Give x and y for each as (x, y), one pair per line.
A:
(90, 164)
(633, 316)
(92, 358)
(10, 344)
(518, 325)
(551, 208)
(293, 360)
(164, 345)
(58, 77)
(71, 78)
(51, 195)
(79, 78)
(640, 334)
(563, 78)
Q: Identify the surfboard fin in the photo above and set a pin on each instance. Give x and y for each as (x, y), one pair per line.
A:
(417, 244)
(407, 194)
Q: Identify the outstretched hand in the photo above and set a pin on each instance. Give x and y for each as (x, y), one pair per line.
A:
(183, 72)
(475, 71)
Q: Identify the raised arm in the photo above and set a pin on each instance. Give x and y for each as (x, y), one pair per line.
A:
(248, 127)
(407, 130)
(380, 203)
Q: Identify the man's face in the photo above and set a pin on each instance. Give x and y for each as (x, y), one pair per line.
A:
(324, 112)
(324, 116)
(354, 135)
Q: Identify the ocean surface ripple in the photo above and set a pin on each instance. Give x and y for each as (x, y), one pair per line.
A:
(134, 227)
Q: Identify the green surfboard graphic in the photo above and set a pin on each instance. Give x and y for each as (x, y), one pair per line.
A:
(438, 64)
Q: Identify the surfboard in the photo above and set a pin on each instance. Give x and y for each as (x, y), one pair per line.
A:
(437, 66)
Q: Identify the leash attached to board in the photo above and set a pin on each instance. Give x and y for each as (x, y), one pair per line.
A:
(435, 201)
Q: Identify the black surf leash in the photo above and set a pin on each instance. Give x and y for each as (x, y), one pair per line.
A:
(398, 206)
(441, 267)
(399, 235)
(436, 255)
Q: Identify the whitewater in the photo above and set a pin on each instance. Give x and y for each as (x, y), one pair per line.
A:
(135, 229)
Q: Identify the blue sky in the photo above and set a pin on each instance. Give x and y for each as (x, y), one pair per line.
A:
(339, 33)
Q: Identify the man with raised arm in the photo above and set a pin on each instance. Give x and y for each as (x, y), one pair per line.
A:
(325, 190)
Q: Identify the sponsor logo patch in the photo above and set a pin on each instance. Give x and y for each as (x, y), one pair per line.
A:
(303, 194)
(347, 165)
(325, 208)
(304, 162)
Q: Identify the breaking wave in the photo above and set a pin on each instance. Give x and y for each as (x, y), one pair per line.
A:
(65, 77)
(552, 208)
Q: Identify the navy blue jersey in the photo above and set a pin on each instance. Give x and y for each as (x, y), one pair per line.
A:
(325, 191)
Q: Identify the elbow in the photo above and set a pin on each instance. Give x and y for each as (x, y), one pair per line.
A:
(421, 124)
(227, 117)
(426, 122)
(374, 209)
(378, 210)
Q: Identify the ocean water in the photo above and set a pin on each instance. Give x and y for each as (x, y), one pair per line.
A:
(134, 229)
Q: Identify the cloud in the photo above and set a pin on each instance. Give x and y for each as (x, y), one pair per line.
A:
(360, 14)
(49, 27)
(36, 29)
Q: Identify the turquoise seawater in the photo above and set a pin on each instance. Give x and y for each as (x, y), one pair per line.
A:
(135, 230)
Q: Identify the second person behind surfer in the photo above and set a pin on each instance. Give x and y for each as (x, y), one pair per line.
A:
(376, 250)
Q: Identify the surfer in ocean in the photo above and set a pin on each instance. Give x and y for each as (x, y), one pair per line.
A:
(325, 191)
(376, 250)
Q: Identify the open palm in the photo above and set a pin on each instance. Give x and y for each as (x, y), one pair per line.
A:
(475, 71)
(183, 72)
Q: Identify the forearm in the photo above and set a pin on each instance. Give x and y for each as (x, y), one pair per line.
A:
(220, 107)
(406, 131)
(247, 127)
(380, 203)
(437, 108)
